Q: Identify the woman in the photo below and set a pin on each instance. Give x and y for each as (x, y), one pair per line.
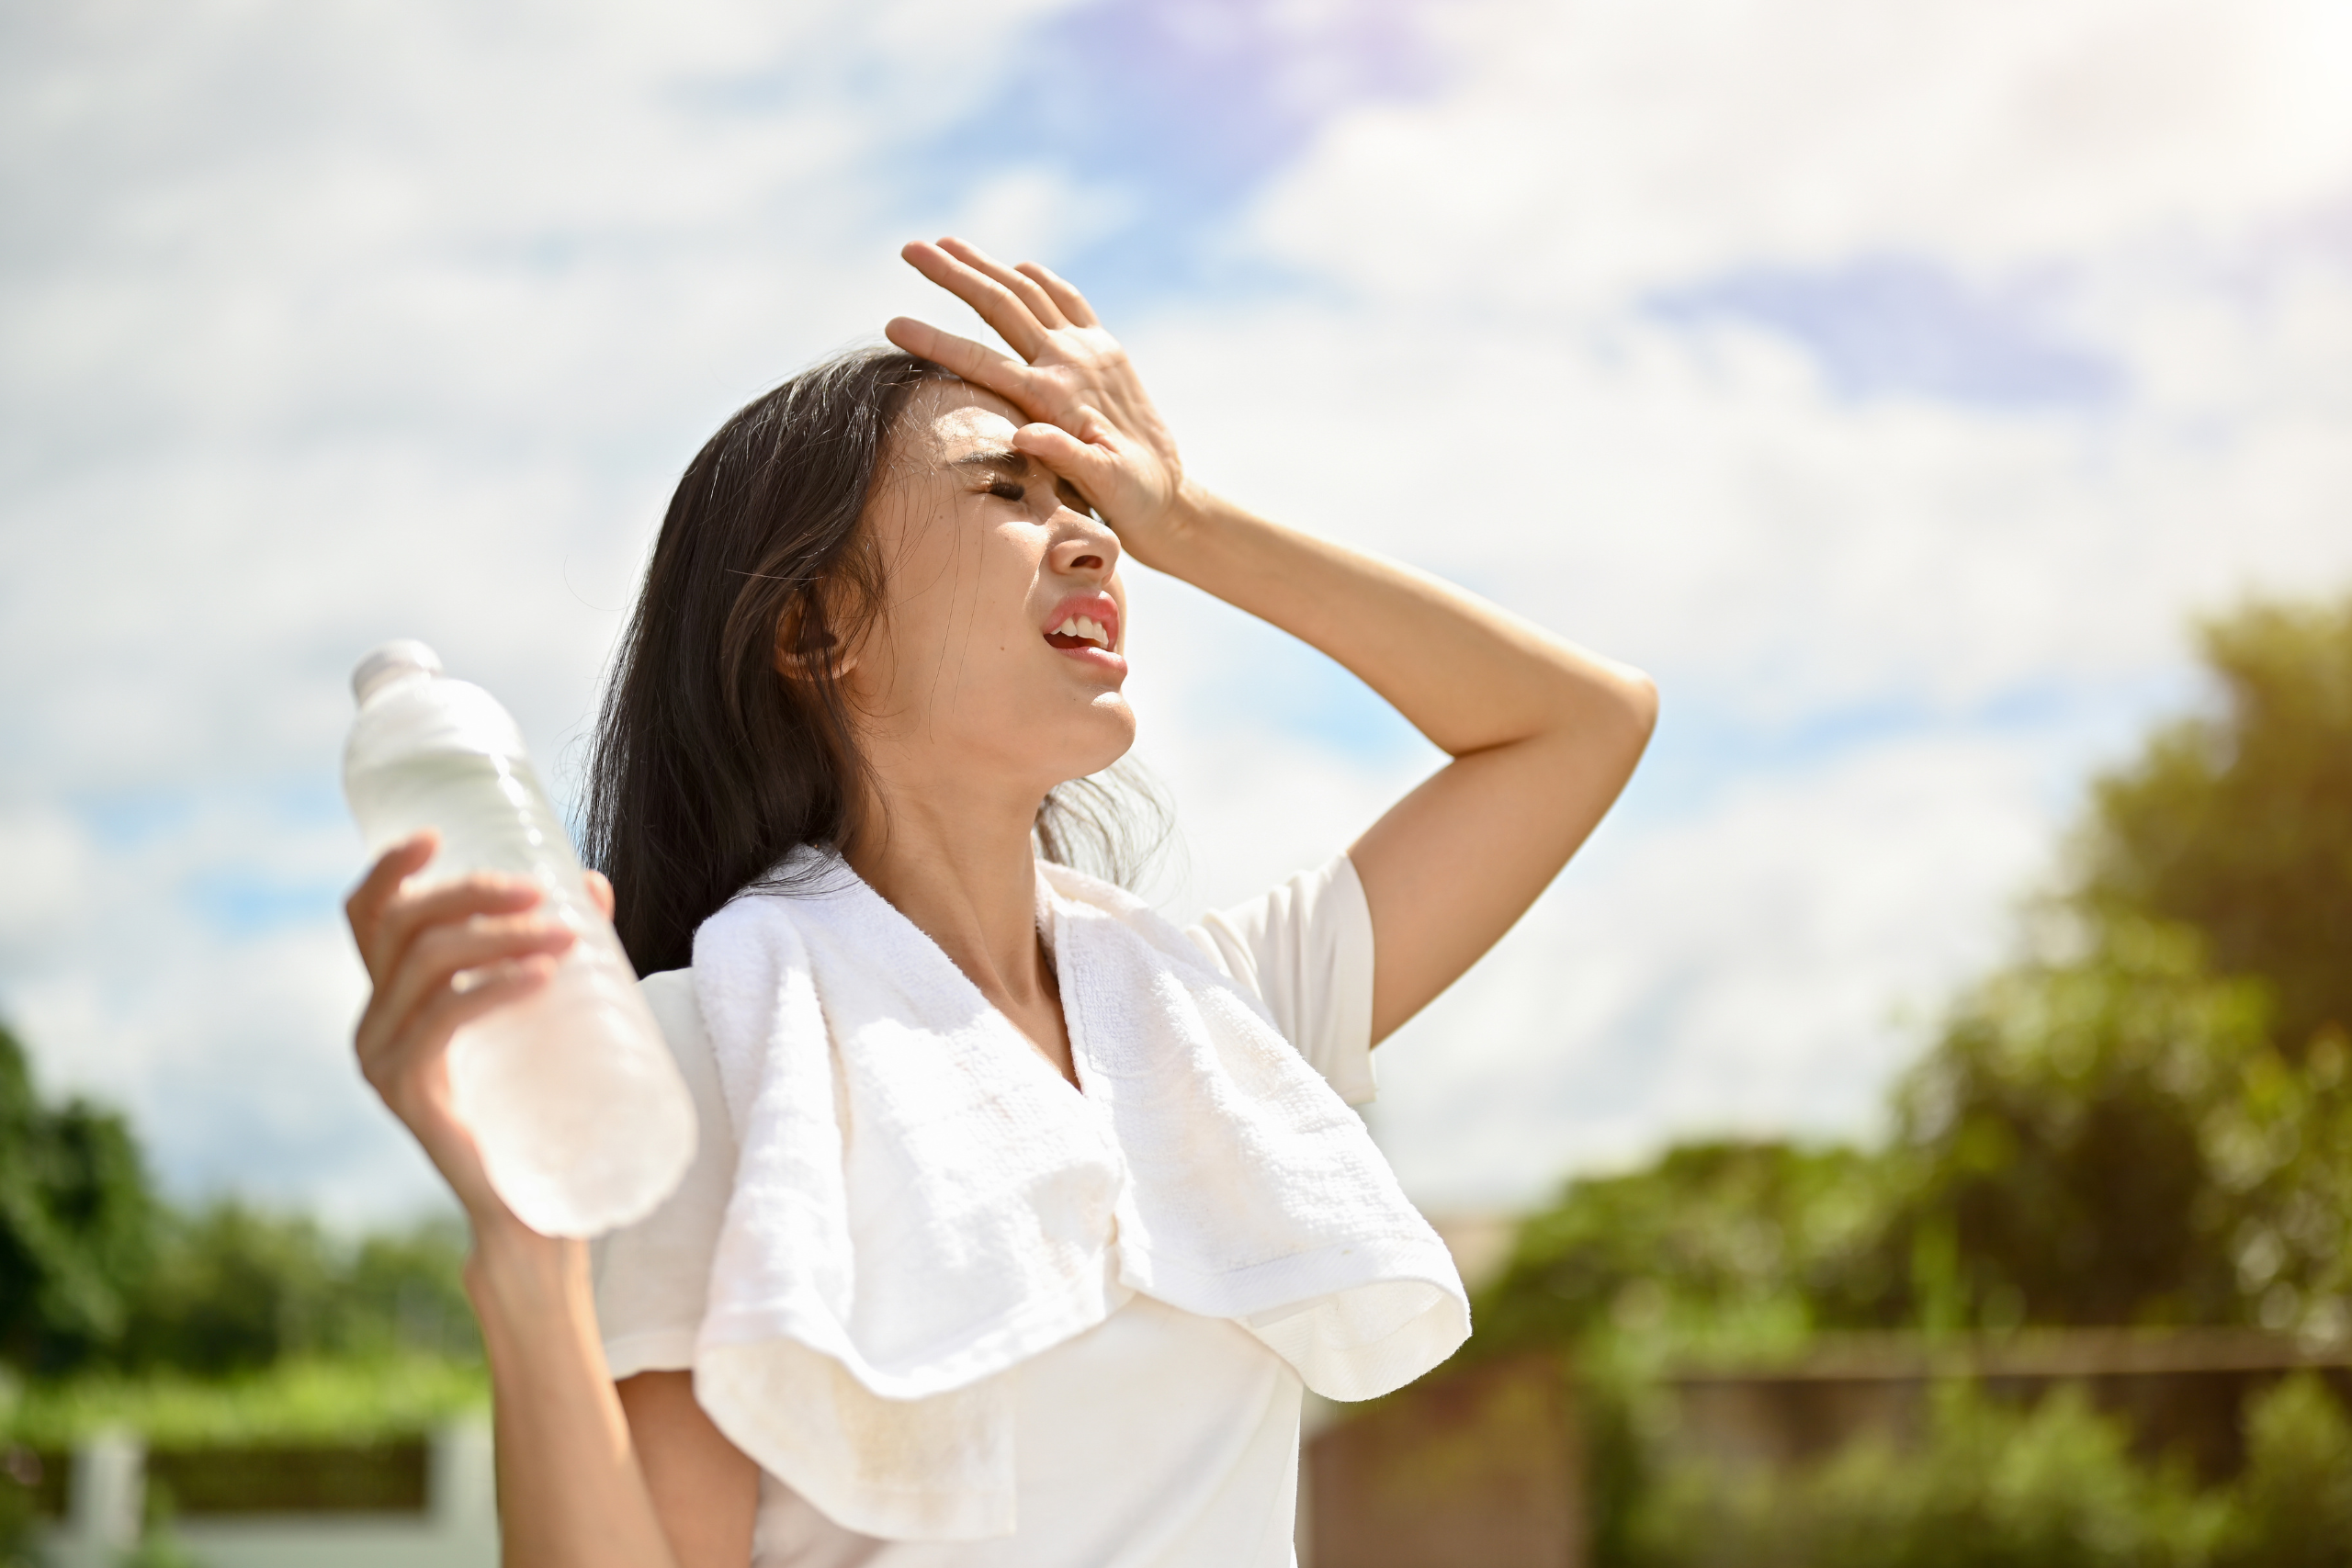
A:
(881, 630)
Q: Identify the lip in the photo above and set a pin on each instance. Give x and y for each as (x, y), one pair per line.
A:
(1104, 611)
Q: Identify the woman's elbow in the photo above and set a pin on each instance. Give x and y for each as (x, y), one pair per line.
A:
(1630, 706)
(1637, 695)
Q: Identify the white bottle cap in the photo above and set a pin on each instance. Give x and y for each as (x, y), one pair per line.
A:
(389, 662)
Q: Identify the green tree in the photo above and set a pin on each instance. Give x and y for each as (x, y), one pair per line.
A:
(1746, 1239)
(76, 1218)
(2062, 1142)
(2238, 822)
(2148, 1128)
(403, 1291)
(233, 1289)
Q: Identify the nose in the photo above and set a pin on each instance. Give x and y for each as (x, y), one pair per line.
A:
(1084, 547)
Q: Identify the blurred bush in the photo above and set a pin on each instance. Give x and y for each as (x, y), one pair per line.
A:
(2053, 1486)
(2292, 1508)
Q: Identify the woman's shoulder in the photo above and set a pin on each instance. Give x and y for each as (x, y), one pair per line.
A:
(670, 995)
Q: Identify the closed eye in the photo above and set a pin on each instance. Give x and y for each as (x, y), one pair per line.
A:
(1009, 490)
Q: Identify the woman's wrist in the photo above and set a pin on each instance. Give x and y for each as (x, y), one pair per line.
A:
(1188, 525)
(516, 1277)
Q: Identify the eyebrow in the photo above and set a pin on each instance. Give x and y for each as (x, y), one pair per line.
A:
(992, 457)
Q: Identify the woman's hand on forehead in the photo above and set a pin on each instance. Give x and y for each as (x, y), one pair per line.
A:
(1093, 424)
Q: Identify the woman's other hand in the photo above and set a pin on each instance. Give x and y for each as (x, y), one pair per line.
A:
(440, 957)
(1096, 427)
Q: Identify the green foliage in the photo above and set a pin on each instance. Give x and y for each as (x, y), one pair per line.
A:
(2052, 1487)
(2058, 1140)
(2239, 823)
(231, 1290)
(99, 1278)
(1994, 1485)
(2114, 1140)
(2130, 1136)
(2292, 1506)
(403, 1292)
(75, 1224)
(1745, 1245)
(326, 1399)
(234, 1289)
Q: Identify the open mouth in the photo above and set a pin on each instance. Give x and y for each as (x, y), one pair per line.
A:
(1086, 625)
(1080, 631)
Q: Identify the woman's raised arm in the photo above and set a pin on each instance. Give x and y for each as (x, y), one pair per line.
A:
(1543, 734)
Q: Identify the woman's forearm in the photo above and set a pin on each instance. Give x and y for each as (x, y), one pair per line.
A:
(1542, 733)
(1465, 673)
(570, 1491)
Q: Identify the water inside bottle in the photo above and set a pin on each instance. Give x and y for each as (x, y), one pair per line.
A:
(575, 1105)
(492, 812)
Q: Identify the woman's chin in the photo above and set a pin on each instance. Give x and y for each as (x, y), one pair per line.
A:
(1107, 735)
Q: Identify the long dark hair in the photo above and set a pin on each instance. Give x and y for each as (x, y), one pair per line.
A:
(709, 766)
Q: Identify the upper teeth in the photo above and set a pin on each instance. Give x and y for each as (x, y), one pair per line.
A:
(1081, 625)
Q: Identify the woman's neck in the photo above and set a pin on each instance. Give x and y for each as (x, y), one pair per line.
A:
(959, 865)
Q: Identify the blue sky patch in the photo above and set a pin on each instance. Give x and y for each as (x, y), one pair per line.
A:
(1905, 325)
(1184, 110)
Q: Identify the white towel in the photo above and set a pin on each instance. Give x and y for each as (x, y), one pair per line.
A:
(921, 1202)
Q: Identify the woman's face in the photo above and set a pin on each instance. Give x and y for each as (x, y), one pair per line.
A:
(999, 657)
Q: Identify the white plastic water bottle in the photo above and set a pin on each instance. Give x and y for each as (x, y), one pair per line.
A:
(582, 1120)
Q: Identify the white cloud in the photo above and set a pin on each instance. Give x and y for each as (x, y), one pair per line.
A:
(1746, 970)
(325, 324)
(1602, 148)
(1905, 626)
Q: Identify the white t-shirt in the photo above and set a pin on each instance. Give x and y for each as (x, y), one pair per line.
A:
(1157, 1440)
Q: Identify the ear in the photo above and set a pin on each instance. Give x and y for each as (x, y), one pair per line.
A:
(803, 643)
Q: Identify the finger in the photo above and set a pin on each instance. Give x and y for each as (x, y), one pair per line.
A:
(1007, 377)
(1024, 288)
(1067, 300)
(428, 1035)
(480, 894)
(997, 305)
(600, 892)
(442, 953)
(383, 880)
(1092, 468)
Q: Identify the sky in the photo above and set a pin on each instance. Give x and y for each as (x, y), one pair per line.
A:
(1897, 383)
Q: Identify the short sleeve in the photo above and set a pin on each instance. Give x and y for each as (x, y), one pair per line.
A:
(653, 1277)
(1305, 948)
